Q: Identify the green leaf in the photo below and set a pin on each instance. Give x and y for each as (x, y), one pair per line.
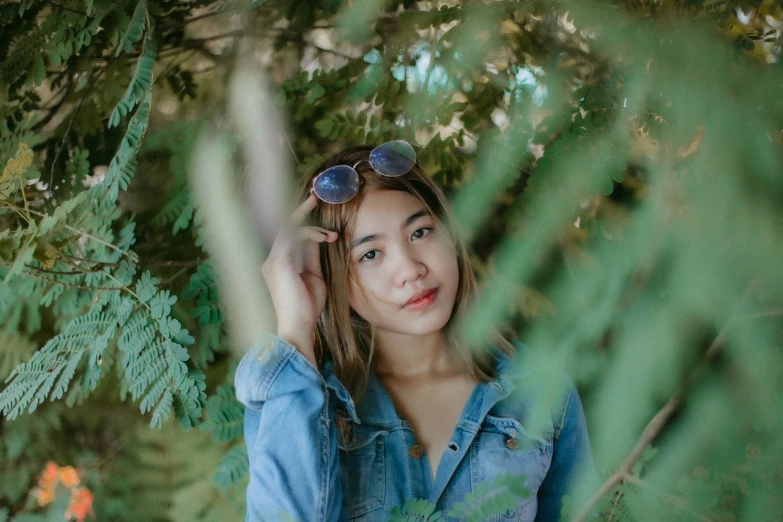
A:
(135, 29)
(140, 85)
(324, 127)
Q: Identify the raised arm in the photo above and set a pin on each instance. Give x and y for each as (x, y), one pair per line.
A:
(291, 440)
(290, 437)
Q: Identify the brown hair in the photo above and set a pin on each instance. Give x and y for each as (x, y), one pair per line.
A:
(349, 339)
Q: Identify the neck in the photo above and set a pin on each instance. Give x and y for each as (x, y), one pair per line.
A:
(402, 355)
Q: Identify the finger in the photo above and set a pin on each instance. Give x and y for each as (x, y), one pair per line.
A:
(288, 244)
(317, 234)
(311, 258)
(304, 209)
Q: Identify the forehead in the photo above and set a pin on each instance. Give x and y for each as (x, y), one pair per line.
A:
(384, 210)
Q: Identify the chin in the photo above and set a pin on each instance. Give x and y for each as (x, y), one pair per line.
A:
(420, 326)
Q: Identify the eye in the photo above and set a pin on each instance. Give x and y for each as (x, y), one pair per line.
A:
(421, 232)
(369, 256)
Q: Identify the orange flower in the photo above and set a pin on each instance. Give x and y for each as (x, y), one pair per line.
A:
(69, 477)
(50, 474)
(44, 495)
(81, 505)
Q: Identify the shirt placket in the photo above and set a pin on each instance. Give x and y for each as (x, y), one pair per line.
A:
(485, 396)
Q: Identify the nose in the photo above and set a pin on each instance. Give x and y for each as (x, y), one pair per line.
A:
(408, 267)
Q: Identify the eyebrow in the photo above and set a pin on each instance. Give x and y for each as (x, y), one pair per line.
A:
(372, 237)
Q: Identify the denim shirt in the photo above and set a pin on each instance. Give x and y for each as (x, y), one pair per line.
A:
(316, 456)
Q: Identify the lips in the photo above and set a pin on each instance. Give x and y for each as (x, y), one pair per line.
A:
(422, 296)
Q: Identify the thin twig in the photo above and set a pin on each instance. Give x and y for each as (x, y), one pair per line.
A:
(615, 503)
(129, 255)
(171, 62)
(16, 209)
(768, 313)
(184, 262)
(659, 421)
(172, 278)
(52, 272)
(96, 265)
(131, 292)
(676, 501)
(63, 283)
(88, 90)
(112, 450)
(58, 6)
(107, 274)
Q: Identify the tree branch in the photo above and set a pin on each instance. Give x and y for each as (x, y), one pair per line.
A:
(63, 283)
(658, 422)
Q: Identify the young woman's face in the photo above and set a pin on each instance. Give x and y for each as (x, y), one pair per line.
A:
(399, 253)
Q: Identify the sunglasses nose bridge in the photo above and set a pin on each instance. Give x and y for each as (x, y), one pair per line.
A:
(360, 162)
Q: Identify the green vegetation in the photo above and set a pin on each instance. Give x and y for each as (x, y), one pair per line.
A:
(613, 163)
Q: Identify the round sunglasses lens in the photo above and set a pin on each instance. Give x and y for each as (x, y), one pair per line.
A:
(393, 159)
(337, 184)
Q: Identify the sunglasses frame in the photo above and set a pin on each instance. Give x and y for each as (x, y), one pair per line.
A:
(361, 181)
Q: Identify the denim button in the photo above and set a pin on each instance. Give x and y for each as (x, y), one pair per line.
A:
(417, 450)
(512, 444)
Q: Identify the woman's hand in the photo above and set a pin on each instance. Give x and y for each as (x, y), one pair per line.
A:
(297, 287)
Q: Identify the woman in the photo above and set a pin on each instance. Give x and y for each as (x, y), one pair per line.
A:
(367, 396)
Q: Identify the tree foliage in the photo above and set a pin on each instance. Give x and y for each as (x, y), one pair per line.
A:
(616, 166)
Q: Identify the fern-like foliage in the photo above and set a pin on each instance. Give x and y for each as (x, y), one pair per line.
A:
(123, 165)
(135, 29)
(153, 362)
(203, 286)
(177, 210)
(170, 474)
(48, 373)
(140, 84)
(416, 510)
(225, 414)
(491, 498)
(232, 468)
(15, 348)
(176, 140)
(154, 358)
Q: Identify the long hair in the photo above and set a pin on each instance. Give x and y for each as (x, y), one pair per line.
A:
(341, 333)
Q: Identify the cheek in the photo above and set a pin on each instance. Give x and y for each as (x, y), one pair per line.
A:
(359, 296)
(449, 263)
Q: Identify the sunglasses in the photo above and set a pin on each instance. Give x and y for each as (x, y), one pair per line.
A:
(340, 183)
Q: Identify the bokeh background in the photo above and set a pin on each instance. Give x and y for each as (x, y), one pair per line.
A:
(616, 165)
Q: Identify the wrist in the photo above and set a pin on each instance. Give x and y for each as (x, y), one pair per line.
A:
(303, 344)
